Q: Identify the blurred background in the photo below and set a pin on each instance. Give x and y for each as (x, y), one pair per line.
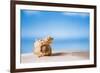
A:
(70, 30)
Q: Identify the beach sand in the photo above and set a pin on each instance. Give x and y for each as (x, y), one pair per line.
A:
(55, 57)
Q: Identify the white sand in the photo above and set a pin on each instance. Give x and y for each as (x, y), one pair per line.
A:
(57, 56)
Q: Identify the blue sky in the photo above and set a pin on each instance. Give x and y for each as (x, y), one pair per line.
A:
(57, 24)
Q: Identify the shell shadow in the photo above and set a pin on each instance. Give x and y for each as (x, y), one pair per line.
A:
(59, 54)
